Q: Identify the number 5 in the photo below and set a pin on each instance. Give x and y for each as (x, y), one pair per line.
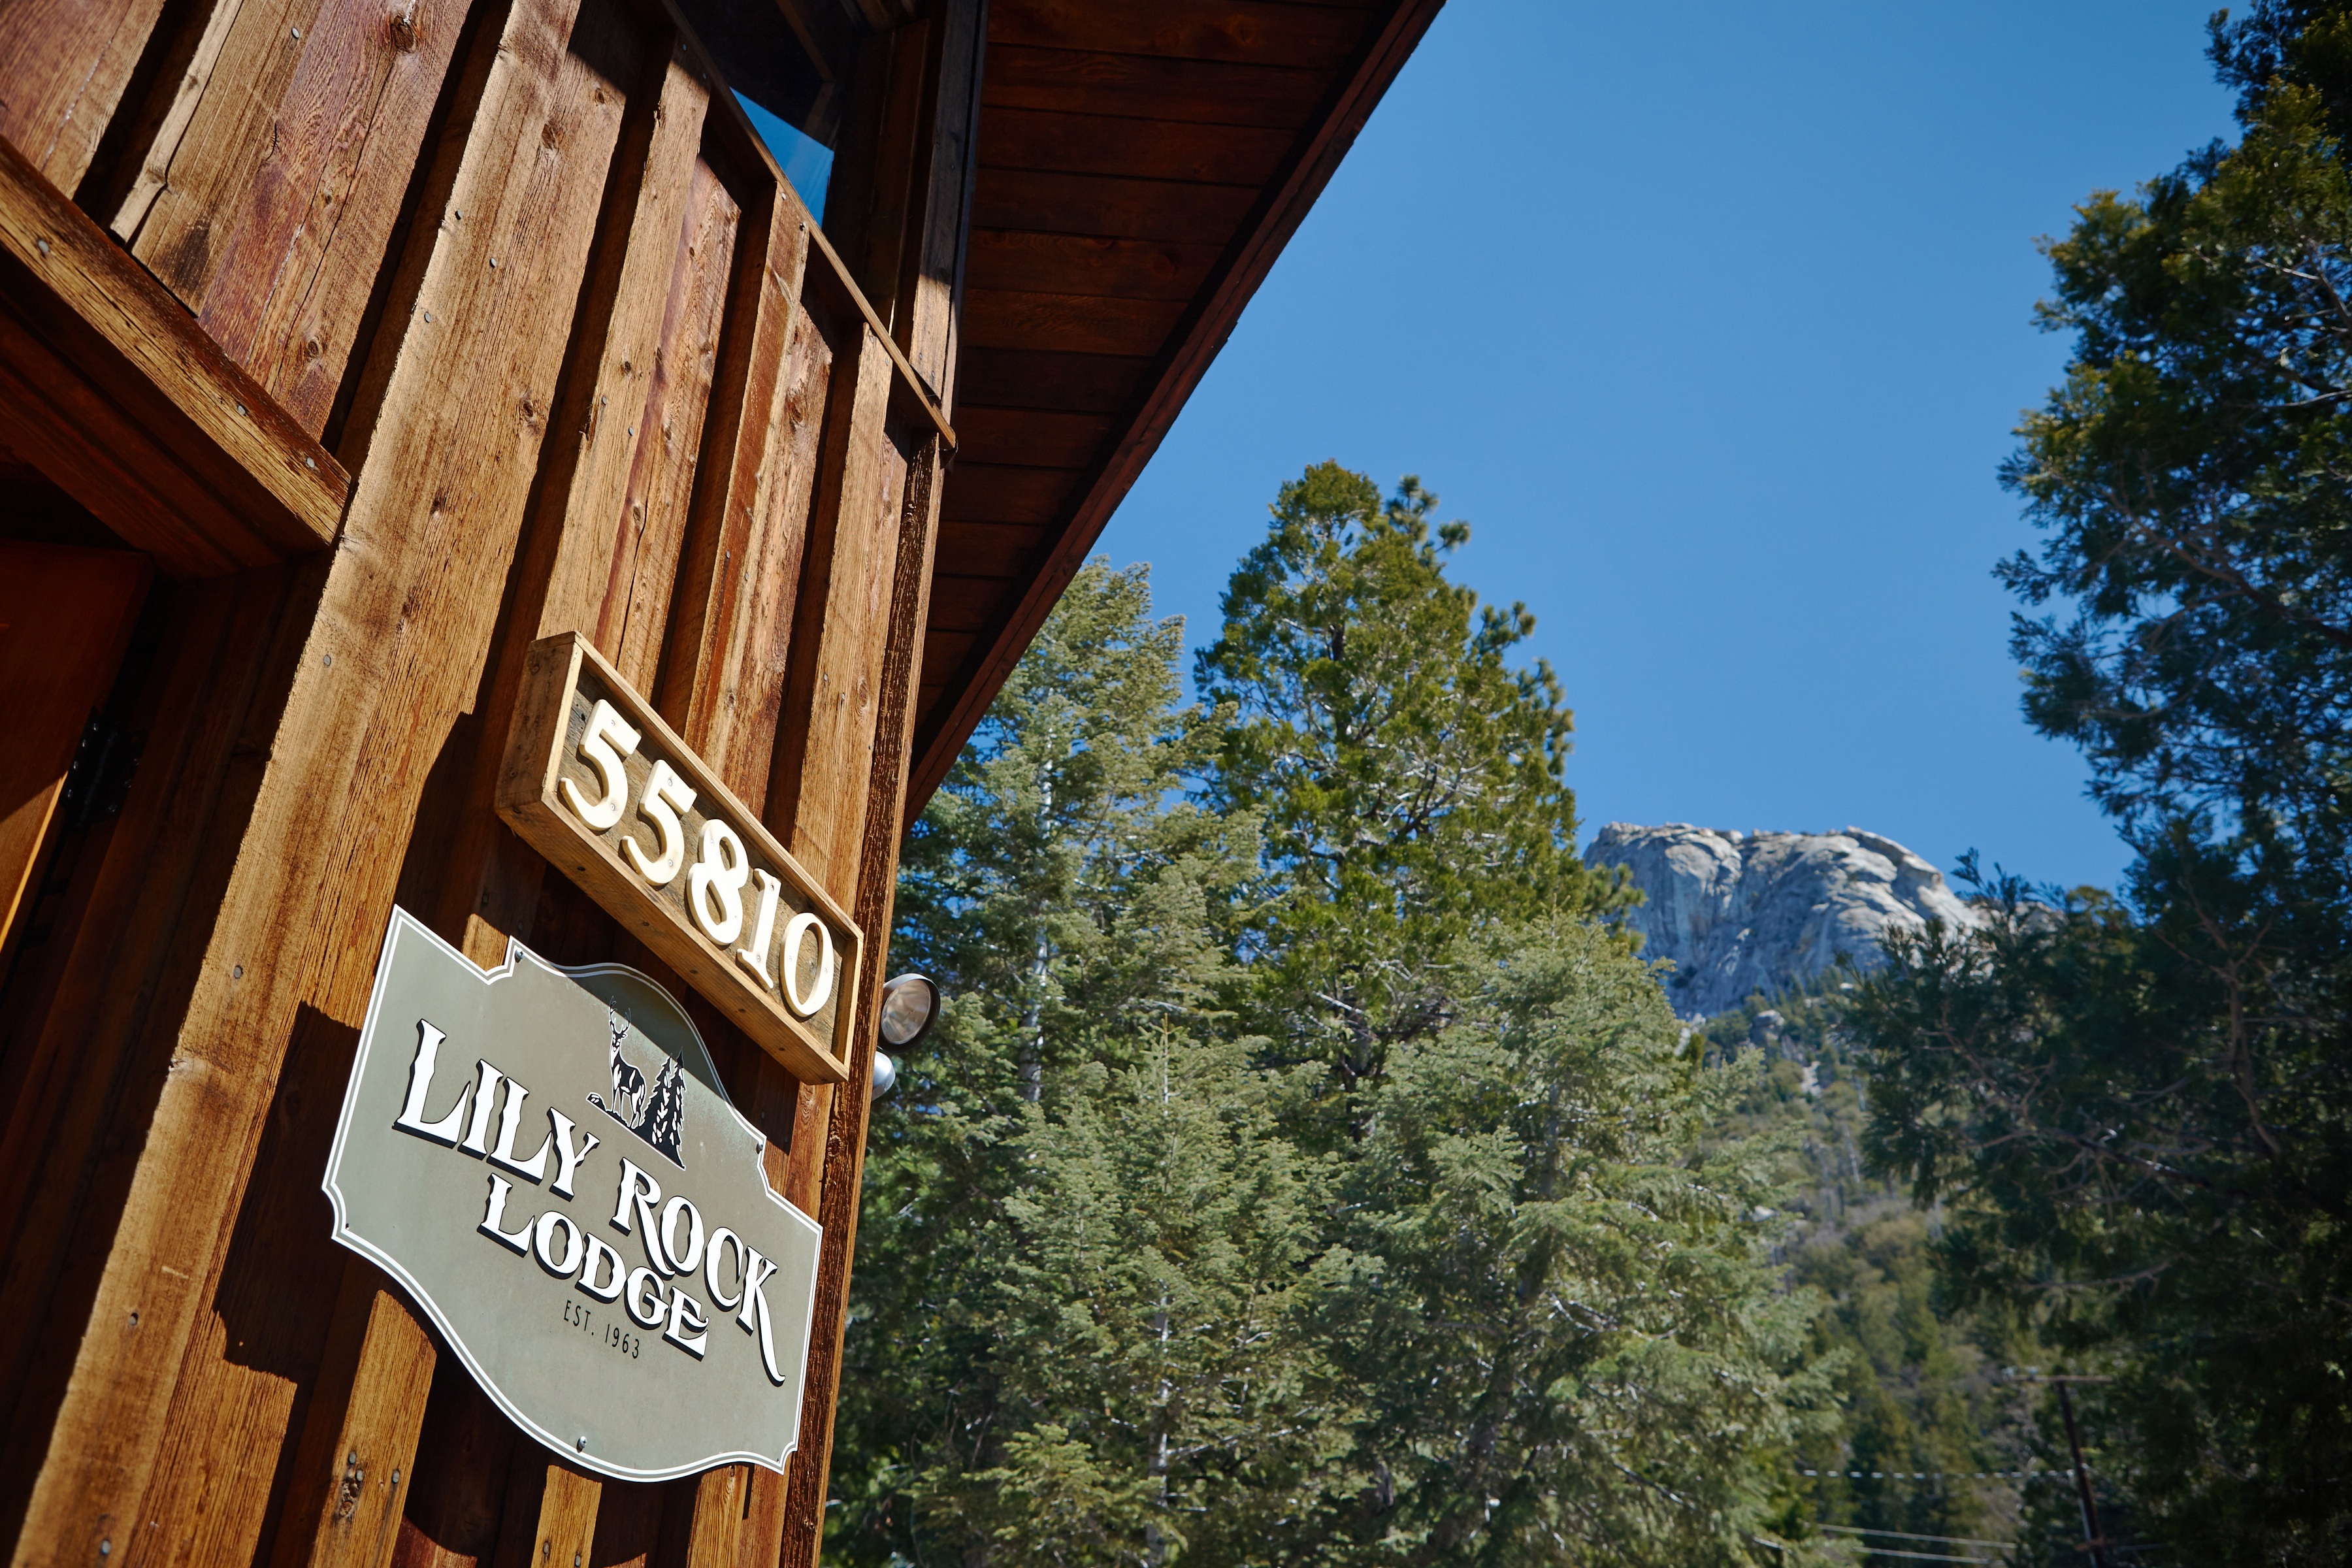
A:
(604, 727)
(665, 796)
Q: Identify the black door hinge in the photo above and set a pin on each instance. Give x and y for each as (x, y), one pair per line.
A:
(100, 780)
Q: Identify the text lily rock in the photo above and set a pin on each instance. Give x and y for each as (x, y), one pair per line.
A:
(675, 1246)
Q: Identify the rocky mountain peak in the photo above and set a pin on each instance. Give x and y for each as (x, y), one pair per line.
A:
(1744, 912)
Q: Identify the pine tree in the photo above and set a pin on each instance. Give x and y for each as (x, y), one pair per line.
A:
(2136, 1108)
(1434, 1268)
(1162, 1394)
(1058, 888)
(1573, 1340)
(1409, 778)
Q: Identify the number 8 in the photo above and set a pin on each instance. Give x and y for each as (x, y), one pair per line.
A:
(717, 878)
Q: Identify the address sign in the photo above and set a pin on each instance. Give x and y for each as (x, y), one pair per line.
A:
(545, 1159)
(597, 781)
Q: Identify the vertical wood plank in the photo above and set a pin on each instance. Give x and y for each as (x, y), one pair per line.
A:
(931, 284)
(883, 826)
(63, 68)
(192, 220)
(550, 1512)
(357, 1455)
(758, 1534)
(612, 431)
(667, 426)
(629, 1523)
(319, 276)
(265, 203)
(817, 799)
(875, 176)
(96, 1060)
(565, 570)
(744, 738)
(738, 495)
(715, 1525)
(181, 84)
(452, 431)
(270, 1342)
(457, 1498)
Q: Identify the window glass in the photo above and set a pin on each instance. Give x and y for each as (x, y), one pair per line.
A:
(806, 162)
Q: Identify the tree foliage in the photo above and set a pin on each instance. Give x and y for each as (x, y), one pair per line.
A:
(1127, 1291)
(2136, 1110)
(1409, 778)
(1161, 1384)
(1570, 1332)
(1058, 888)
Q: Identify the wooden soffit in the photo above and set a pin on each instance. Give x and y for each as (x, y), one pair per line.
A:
(1141, 164)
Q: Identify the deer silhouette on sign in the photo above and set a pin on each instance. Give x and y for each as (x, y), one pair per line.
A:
(656, 1115)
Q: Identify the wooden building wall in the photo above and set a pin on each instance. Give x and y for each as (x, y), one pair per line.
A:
(391, 335)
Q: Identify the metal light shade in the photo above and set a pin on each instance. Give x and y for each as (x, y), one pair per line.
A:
(908, 1005)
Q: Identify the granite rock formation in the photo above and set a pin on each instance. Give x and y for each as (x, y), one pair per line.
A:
(1740, 914)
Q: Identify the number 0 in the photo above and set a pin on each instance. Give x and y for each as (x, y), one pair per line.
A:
(796, 930)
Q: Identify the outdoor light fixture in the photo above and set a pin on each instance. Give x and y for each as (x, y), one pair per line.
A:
(908, 1005)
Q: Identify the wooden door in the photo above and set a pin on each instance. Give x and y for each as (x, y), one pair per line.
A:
(65, 617)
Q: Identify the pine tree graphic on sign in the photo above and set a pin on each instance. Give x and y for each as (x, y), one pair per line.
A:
(658, 1117)
(665, 1111)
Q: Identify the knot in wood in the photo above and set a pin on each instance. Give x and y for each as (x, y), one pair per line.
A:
(402, 31)
(347, 1494)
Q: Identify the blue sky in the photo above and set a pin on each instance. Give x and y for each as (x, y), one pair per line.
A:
(1713, 320)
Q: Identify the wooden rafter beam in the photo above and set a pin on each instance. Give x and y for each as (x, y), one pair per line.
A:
(111, 386)
(1189, 351)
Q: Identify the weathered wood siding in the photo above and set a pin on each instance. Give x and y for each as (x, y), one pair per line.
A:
(510, 289)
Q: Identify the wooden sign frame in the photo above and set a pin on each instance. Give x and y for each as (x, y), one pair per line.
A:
(565, 681)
